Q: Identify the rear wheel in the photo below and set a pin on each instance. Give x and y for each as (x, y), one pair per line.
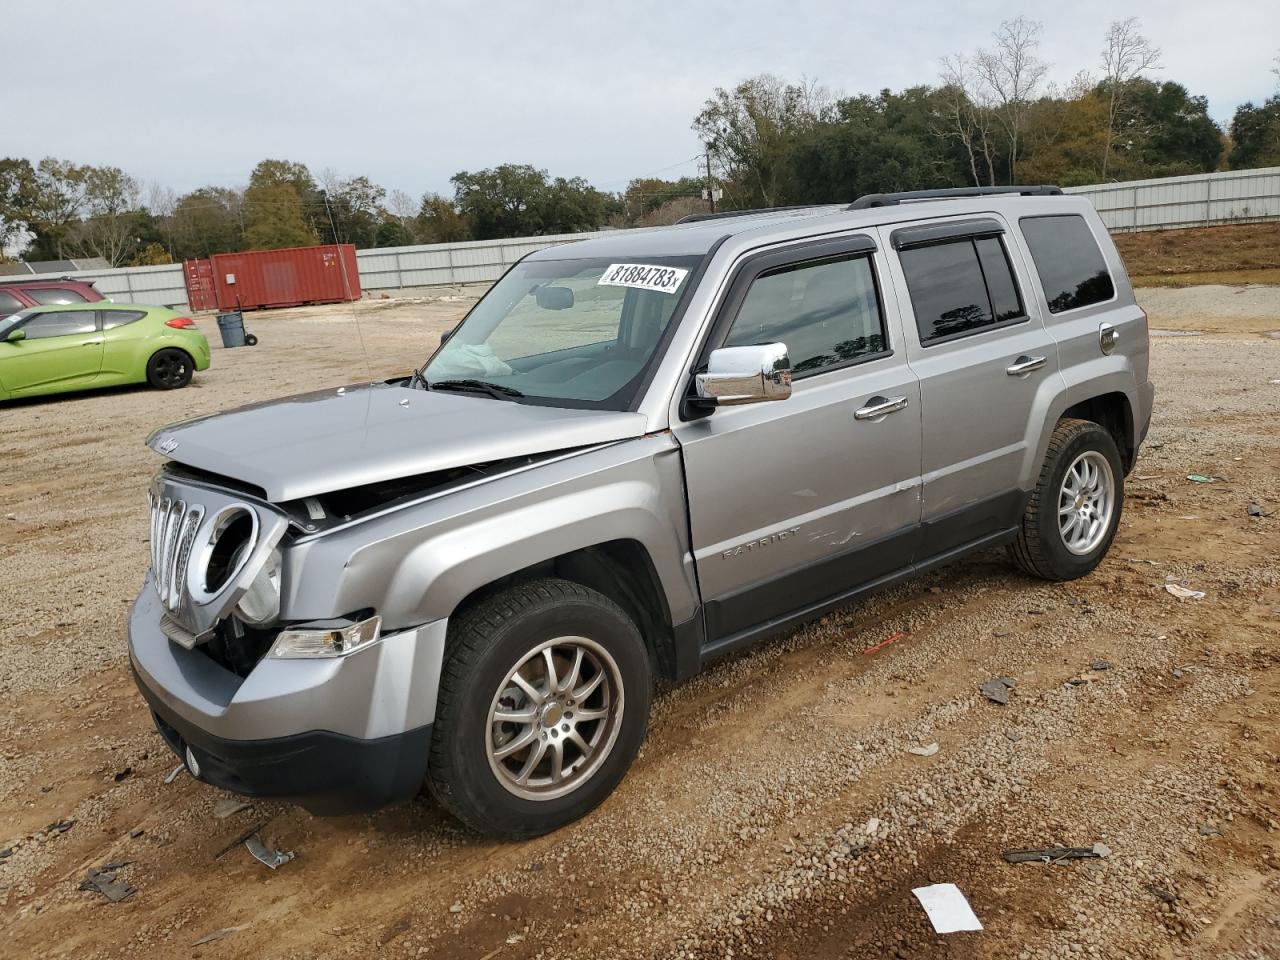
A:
(544, 701)
(1073, 514)
(169, 369)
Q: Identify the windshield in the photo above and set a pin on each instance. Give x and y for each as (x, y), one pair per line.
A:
(571, 332)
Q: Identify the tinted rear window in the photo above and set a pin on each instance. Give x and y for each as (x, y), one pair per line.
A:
(55, 295)
(1071, 267)
(9, 304)
(960, 287)
(118, 318)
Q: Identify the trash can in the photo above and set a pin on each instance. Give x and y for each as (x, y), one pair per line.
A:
(231, 326)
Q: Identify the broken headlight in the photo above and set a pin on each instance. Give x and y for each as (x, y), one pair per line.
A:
(261, 602)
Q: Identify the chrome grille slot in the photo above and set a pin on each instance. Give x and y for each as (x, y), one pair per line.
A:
(174, 526)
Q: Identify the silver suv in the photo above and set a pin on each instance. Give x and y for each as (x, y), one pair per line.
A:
(636, 454)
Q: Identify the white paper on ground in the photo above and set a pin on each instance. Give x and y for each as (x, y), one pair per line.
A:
(947, 908)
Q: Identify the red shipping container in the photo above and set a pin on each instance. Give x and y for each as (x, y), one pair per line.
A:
(286, 278)
(201, 294)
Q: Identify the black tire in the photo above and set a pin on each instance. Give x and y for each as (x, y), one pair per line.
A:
(250, 340)
(1040, 548)
(487, 642)
(170, 369)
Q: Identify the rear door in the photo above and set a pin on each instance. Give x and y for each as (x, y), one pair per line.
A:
(62, 350)
(988, 371)
(794, 503)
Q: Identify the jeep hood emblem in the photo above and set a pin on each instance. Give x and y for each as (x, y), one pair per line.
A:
(167, 445)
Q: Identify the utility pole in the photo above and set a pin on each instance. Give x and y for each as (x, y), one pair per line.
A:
(711, 184)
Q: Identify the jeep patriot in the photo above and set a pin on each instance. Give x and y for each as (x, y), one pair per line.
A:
(636, 454)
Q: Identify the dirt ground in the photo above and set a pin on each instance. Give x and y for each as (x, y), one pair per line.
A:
(776, 810)
(1234, 253)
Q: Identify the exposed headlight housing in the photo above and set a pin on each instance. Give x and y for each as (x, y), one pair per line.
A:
(312, 642)
(261, 602)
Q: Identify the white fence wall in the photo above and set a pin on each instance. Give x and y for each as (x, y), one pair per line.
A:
(1204, 199)
(1236, 196)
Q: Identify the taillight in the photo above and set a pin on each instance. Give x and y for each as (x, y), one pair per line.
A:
(180, 323)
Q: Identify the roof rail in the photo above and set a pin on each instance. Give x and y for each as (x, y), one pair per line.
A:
(724, 215)
(951, 193)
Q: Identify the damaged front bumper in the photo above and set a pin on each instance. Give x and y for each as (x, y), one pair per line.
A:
(335, 735)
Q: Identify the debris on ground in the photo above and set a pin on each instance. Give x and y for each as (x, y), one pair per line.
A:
(228, 806)
(172, 775)
(1100, 665)
(1053, 855)
(947, 908)
(1014, 735)
(1201, 478)
(103, 880)
(925, 751)
(266, 856)
(122, 774)
(61, 826)
(1256, 511)
(884, 643)
(1210, 830)
(218, 935)
(1161, 893)
(455, 907)
(1184, 593)
(135, 834)
(997, 691)
(6, 853)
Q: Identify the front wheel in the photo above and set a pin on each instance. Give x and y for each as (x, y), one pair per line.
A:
(169, 369)
(1073, 513)
(544, 701)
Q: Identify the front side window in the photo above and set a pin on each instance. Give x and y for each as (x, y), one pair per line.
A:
(570, 332)
(1072, 269)
(960, 287)
(45, 295)
(61, 323)
(827, 314)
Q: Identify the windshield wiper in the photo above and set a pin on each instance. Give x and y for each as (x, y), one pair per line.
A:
(495, 390)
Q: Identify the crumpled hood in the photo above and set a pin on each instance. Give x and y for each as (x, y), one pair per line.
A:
(321, 442)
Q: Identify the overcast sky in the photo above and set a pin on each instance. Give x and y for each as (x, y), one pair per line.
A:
(410, 93)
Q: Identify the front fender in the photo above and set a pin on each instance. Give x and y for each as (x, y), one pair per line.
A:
(417, 564)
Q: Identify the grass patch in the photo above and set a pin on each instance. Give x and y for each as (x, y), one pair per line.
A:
(1230, 278)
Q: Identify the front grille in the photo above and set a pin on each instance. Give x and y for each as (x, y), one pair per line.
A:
(173, 533)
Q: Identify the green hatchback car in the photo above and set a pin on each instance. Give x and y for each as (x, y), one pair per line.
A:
(80, 346)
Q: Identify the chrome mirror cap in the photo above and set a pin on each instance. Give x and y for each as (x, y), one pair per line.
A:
(746, 374)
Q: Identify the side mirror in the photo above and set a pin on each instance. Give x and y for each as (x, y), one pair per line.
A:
(444, 337)
(16, 336)
(746, 374)
(554, 298)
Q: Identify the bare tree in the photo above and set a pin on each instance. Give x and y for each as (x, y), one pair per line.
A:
(1127, 55)
(967, 115)
(109, 227)
(1011, 72)
(405, 209)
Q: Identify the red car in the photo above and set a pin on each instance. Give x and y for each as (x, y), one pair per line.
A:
(19, 293)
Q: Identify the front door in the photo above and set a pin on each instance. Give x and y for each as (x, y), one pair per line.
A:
(794, 503)
(62, 350)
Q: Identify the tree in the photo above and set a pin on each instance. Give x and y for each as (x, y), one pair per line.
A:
(749, 131)
(16, 179)
(52, 202)
(205, 221)
(517, 200)
(1064, 135)
(110, 219)
(440, 221)
(276, 173)
(965, 114)
(404, 210)
(1011, 72)
(353, 209)
(1127, 55)
(153, 254)
(1255, 135)
(1168, 132)
(646, 194)
(275, 218)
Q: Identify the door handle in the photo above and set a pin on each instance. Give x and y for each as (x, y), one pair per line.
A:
(90, 343)
(879, 406)
(1024, 364)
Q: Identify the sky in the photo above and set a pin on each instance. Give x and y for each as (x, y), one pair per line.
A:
(410, 93)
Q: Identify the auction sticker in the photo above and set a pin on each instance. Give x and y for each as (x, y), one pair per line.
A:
(643, 277)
